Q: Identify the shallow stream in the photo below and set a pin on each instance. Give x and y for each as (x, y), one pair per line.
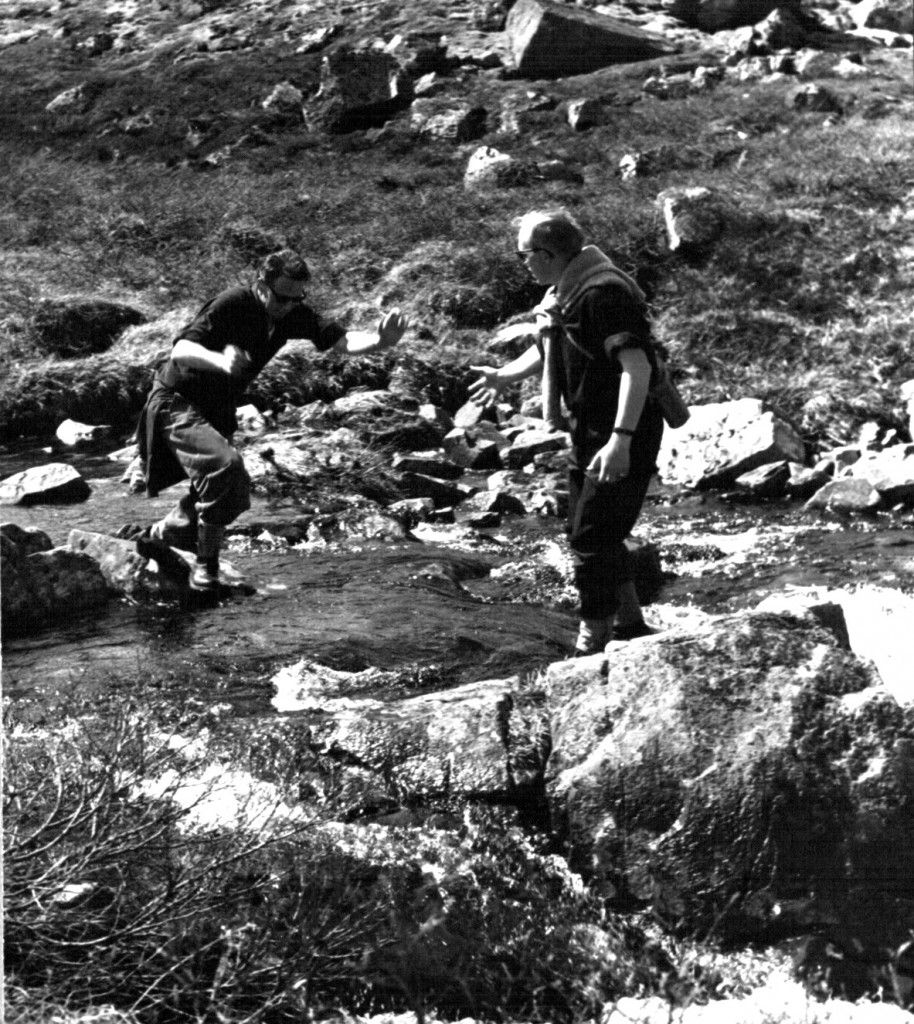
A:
(454, 606)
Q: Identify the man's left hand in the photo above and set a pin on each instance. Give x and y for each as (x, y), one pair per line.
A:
(391, 328)
(612, 461)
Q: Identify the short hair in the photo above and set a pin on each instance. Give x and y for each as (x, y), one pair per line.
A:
(284, 263)
(555, 230)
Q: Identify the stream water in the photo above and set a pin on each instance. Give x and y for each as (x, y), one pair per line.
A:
(454, 606)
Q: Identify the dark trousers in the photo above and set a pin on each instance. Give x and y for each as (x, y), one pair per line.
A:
(600, 517)
(220, 485)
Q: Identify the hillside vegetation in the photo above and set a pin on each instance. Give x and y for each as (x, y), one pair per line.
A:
(806, 300)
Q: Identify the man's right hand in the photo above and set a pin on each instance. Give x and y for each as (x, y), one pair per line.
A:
(486, 390)
(235, 361)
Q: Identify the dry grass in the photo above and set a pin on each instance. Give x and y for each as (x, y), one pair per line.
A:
(805, 301)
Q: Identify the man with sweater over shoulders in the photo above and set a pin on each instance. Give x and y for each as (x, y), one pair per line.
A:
(186, 427)
(595, 352)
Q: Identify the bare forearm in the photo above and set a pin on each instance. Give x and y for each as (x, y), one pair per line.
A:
(354, 343)
(525, 365)
(633, 390)
(390, 330)
(633, 387)
(192, 355)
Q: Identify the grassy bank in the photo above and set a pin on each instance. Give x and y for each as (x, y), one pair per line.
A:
(805, 301)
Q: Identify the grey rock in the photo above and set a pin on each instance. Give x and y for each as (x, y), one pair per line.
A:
(815, 99)
(890, 472)
(159, 573)
(359, 89)
(846, 495)
(72, 433)
(693, 216)
(446, 743)
(717, 15)
(447, 122)
(488, 168)
(889, 15)
(444, 493)
(804, 481)
(723, 440)
(768, 481)
(472, 450)
(43, 584)
(585, 113)
(285, 99)
(553, 40)
(74, 580)
(51, 483)
(531, 443)
(437, 416)
(429, 463)
(733, 770)
(28, 540)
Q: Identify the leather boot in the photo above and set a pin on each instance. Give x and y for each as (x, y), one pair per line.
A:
(205, 574)
(179, 528)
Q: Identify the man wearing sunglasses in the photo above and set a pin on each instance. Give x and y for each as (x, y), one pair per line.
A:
(592, 343)
(186, 427)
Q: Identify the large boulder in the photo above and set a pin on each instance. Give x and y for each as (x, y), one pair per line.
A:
(156, 573)
(751, 776)
(359, 89)
(724, 440)
(553, 40)
(42, 584)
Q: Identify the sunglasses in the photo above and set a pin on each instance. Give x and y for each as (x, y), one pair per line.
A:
(285, 300)
(522, 254)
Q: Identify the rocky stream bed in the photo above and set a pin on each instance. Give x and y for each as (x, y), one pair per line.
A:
(448, 603)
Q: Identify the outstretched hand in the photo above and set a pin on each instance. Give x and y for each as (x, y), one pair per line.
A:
(391, 328)
(486, 390)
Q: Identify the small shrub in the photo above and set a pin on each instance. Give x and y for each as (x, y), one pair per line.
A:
(81, 326)
(128, 884)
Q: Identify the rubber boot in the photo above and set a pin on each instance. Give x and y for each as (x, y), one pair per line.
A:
(629, 621)
(205, 574)
(593, 636)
